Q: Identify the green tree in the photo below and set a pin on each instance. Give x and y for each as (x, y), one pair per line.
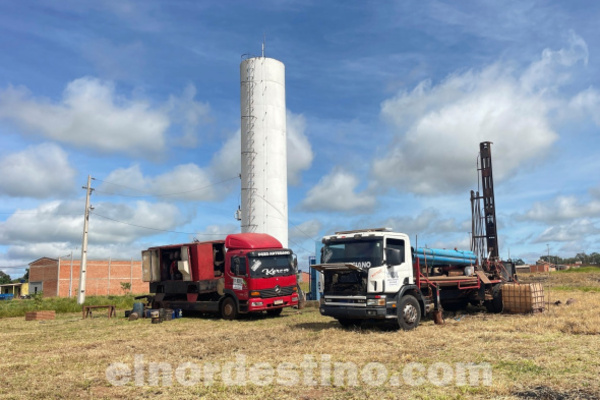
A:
(4, 278)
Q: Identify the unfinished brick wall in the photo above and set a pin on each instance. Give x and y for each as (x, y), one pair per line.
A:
(103, 277)
(45, 270)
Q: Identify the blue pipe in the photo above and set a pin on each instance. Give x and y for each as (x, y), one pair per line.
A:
(436, 257)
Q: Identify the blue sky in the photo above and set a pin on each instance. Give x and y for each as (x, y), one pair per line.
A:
(387, 103)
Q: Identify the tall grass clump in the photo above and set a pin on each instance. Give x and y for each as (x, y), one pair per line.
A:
(18, 308)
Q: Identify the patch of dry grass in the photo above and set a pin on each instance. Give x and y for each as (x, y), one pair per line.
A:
(67, 358)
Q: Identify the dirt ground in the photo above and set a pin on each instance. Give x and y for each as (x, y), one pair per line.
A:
(302, 355)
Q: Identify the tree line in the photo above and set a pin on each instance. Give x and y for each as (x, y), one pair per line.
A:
(586, 259)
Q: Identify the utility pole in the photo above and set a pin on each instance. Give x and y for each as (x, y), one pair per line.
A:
(83, 266)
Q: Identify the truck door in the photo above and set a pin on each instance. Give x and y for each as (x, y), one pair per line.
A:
(184, 264)
(150, 266)
(236, 273)
(399, 274)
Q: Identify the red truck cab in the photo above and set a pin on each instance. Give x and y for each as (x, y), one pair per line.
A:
(246, 272)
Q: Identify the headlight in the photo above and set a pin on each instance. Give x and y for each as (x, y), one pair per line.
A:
(294, 299)
(376, 302)
(257, 303)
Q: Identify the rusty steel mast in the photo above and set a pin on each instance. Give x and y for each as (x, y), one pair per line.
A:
(484, 239)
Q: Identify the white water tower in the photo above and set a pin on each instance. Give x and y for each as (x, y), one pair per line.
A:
(264, 207)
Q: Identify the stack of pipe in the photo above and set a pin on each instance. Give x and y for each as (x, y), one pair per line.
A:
(439, 257)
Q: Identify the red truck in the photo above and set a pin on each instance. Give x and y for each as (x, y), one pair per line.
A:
(245, 273)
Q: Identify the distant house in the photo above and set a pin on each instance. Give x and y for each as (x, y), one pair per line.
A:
(540, 267)
(303, 276)
(60, 277)
(16, 289)
(523, 269)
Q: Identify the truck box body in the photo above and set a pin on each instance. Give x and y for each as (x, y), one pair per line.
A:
(251, 269)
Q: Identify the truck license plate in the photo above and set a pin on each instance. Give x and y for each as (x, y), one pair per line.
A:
(278, 302)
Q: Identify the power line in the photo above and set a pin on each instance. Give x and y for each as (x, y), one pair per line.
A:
(159, 194)
(35, 213)
(157, 229)
(294, 225)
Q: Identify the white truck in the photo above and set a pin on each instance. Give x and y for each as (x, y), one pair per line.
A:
(375, 274)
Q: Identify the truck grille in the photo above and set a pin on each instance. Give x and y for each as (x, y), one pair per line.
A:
(346, 301)
(283, 291)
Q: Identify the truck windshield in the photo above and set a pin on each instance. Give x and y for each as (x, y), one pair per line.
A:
(270, 266)
(362, 253)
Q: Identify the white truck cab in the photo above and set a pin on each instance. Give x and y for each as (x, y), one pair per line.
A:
(369, 274)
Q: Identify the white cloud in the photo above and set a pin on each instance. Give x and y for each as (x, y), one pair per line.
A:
(550, 71)
(427, 221)
(561, 208)
(337, 192)
(586, 102)
(299, 151)
(439, 127)
(191, 182)
(308, 230)
(227, 161)
(184, 182)
(40, 171)
(189, 113)
(90, 114)
(575, 231)
(56, 226)
(217, 232)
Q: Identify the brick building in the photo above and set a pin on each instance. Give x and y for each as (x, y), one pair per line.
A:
(60, 277)
(541, 267)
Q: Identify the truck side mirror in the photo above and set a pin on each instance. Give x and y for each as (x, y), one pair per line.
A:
(394, 256)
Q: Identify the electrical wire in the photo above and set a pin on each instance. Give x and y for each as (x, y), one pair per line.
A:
(294, 225)
(157, 194)
(155, 229)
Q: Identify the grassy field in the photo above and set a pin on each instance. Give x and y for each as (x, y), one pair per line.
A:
(18, 307)
(551, 355)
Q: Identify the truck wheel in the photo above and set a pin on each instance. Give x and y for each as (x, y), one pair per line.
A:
(409, 313)
(229, 309)
(495, 305)
(274, 312)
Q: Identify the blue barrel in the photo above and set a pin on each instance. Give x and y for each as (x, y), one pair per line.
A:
(138, 308)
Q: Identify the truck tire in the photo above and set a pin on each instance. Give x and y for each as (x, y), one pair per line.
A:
(409, 313)
(275, 312)
(495, 305)
(229, 309)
